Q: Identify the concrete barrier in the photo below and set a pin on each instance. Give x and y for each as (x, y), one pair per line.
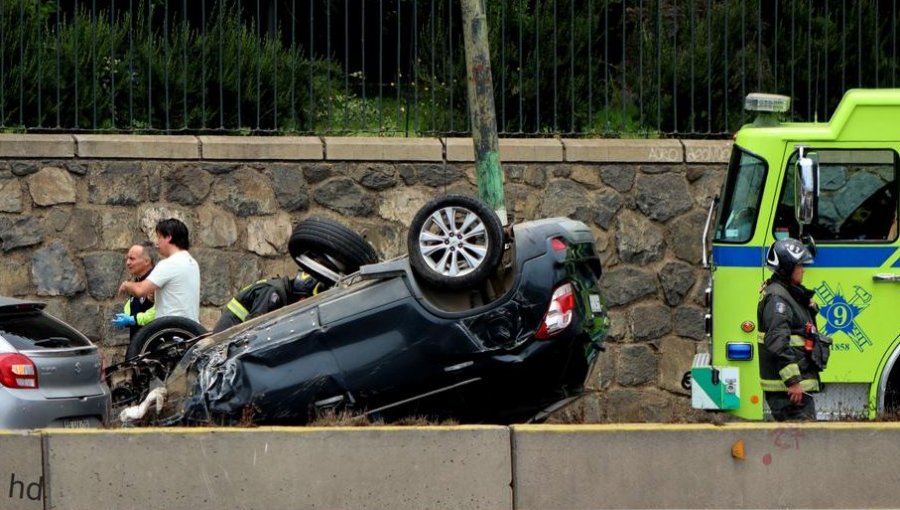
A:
(817, 465)
(736, 465)
(272, 468)
(21, 471)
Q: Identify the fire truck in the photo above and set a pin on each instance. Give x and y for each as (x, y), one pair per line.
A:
(835, 187)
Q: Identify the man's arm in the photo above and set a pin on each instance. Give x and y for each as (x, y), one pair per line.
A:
(143, 288)
(144, 318)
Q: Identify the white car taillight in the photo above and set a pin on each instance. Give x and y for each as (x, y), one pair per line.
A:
(17, 371)
(559, 313)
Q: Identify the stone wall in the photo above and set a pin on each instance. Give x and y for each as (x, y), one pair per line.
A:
(70, 206)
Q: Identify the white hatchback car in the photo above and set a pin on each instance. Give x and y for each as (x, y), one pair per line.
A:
(50, 374)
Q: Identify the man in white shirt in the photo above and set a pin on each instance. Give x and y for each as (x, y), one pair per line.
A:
(175, 281)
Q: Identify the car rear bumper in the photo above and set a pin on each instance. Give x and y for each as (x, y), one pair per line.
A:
(27, 412)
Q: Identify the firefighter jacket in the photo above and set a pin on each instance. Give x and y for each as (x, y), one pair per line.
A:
(141, 308)
(265, 296)
(783, 316)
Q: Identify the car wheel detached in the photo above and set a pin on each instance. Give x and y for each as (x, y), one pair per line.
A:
(330, 244)
(455, 242)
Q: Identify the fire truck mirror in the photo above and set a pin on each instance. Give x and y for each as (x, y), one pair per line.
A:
(806, 188)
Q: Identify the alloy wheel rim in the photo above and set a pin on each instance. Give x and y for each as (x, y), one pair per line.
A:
(453, 241)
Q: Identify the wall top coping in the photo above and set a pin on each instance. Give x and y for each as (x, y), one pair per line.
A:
(312, 148)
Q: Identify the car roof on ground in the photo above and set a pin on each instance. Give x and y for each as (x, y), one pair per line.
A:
(8, 304)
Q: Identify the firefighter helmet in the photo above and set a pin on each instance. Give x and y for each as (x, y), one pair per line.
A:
(306, 285)
(785, 254)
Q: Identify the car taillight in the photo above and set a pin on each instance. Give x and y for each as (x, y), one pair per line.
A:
(559, 313)
(17, 371)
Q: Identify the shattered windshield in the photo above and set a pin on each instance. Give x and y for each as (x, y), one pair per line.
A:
(741, 197)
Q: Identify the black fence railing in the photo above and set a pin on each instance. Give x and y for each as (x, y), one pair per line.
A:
(638, 68)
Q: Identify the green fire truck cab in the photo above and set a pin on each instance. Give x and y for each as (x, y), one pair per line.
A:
(835, 186)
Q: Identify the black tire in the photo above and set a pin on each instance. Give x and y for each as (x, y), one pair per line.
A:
(160, 332)
(447, 227)
(332, 245)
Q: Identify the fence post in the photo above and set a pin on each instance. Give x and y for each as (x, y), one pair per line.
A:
(481, 107)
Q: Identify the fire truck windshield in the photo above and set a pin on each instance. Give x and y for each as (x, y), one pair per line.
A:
(740, 197)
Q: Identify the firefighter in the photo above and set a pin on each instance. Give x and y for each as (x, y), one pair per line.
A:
(791, 353)
(138, 311)
(267, 295)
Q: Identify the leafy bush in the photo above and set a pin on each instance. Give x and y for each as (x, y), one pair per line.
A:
(145, 70)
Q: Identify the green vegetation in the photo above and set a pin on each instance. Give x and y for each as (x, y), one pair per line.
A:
(561, 67)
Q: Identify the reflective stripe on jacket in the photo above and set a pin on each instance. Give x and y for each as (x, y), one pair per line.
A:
(264, 296)
(141, 308)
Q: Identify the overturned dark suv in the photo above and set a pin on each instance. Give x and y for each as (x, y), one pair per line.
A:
(477, 323)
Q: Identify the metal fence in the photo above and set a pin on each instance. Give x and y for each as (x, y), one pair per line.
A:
(637, 68)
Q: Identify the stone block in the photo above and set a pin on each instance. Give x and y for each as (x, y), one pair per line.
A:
(290, 187)
(650, 321)
(346, 197)
(562, 198)
(36, 146)
(638, 240)
(604, 150)
(104, 272)
(119, 183)
(637, 365)
(401, 204)
(676, 357)
(216, 227)
(268, 236)
(138, 146)
(676, 280)
(245, 192)
(261, 148)
(622, 285)
(663, 196)
(55, 272)
(19, 231)
(117, 229)
(383, 149)
(707, 151)
(187, 184)
(51, 186)
(10, 193)
(13, 280)
(511, 150)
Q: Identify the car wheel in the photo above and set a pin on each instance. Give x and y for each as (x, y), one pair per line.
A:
(455, 242)
(326, 249)
(161, 332)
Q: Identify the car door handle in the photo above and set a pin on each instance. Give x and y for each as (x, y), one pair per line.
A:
(887, 277)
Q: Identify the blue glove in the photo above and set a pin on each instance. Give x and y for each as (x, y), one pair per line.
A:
(123, 321)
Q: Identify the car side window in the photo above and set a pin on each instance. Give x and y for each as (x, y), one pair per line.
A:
(34, 331)
(857, 197)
